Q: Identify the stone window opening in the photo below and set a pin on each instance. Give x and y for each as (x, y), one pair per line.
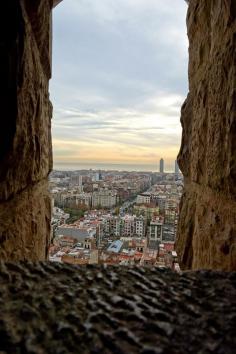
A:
(207, 226)
(56, 308)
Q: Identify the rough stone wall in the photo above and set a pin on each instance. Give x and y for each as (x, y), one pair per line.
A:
(207, 227)
(25, 149)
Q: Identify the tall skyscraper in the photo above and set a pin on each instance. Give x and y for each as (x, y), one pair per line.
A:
(176, 167)
(161, 166)
(80, 181)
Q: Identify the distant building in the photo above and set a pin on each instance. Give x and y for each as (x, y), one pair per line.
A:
(115, 226)
(161, 202)
(128, 225)
(170, 216)
(81, 183)
(77, 180)
(84, 199)
(115, 246)
(104, 198)
(176, 167)
(139, 226)
(89, 243)
(59, 217)
(156, 230)
(161, 166)
(97, 177)
(143, 199)
(168, 233)
(77, 233)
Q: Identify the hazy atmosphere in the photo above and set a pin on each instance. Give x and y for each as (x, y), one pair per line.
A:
(119, 79)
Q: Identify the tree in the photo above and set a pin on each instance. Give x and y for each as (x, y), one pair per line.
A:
(75, 214)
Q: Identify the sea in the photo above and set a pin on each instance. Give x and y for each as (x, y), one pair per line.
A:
(169, 168)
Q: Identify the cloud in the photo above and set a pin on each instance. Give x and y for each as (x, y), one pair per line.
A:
(119, 79)
(129, 132)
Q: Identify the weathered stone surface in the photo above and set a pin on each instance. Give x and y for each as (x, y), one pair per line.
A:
(28, 156)
(56, 2)
(207, 227)
(54, 308)
(25, 224)
(25, 149)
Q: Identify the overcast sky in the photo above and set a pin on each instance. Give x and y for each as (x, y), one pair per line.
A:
(119, 79)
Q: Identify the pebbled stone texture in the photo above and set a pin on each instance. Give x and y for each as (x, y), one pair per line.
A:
(207, 158)
(55, 308)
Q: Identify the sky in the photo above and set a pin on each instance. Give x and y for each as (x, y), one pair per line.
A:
(119, 79)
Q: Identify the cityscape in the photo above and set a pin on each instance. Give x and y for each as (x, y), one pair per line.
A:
(115, 186)
(115, 217)
(105, 245)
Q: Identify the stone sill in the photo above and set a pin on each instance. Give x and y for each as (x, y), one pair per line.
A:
(58, 308)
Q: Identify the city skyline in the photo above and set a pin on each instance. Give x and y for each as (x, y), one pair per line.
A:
(116, 100)
(160, 166)
(96, 166)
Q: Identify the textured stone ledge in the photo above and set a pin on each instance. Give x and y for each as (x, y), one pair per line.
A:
(54, 308)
